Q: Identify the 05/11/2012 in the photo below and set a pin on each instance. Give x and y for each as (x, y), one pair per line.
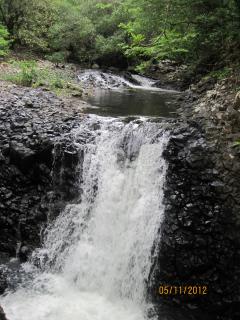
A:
(182, 290)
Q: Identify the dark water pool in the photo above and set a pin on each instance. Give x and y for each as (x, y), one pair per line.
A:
(133, 102)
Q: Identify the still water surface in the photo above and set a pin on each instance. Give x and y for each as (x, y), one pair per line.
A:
(133, 102)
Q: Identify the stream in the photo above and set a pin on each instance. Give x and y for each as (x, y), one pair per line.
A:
(113, 95)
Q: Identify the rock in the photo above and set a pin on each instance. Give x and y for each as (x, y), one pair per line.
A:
(27, 174)
(28, 102)
(24, 253)
(77, 90)
(2, 314)
(77, 94)
(21, 155)
(128, 76)
(168, 310)
(204, 85)
(165, 84)
(201, 215)
(167, 66)
(3, 282)
(95, 66)
(169, 75)
(237, 101)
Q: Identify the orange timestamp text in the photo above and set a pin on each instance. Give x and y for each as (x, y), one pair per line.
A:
(165, 290)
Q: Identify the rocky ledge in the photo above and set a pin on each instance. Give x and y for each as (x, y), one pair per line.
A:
(200, 243)
(33, 123)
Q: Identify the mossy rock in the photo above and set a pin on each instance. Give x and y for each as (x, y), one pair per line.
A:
(76, 90)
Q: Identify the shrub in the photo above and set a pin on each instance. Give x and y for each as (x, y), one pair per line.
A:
(220, 74)
(26, 73)
(57, 57)
(4, 41)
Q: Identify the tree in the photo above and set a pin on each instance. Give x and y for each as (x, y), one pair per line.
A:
(201, 32)
(197, 31)
(28, 21)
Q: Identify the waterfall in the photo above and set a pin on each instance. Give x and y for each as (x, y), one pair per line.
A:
(100, 79)
(96, 257)
(97, 79)
(107, 80)
(146, 83)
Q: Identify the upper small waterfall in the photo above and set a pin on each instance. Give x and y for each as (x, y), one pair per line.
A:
(97, 254)
(108, 80)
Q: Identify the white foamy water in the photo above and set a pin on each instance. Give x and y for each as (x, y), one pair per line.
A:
(100, 79)
(144, 82)
(105, 80)
(97, 255)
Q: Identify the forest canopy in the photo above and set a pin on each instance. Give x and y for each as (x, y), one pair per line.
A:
(123, 32)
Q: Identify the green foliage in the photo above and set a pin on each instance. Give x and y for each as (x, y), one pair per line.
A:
(4, 41)
(28, 21)
(236, 144)
(57, 57)
(29, 73)
(58, 81)
(79, 30)
(197, 31)
(25, 73)
(172, 44)
(72, 34)
(220, 74)
(143, 66)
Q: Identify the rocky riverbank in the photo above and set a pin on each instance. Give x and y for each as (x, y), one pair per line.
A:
(36, 176)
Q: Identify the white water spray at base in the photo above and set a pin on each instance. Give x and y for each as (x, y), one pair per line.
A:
(99, 251)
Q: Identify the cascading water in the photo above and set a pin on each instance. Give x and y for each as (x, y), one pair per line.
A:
(97, 255)
(107, 80)
(104, 80)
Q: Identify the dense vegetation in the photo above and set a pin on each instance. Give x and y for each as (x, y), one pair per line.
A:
(118, 32)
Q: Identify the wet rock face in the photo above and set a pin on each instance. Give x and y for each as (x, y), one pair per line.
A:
(37, 167)
(169, 75)
(2, 314)
(200, 233)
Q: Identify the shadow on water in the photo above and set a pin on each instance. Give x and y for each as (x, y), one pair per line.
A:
(133, 102)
